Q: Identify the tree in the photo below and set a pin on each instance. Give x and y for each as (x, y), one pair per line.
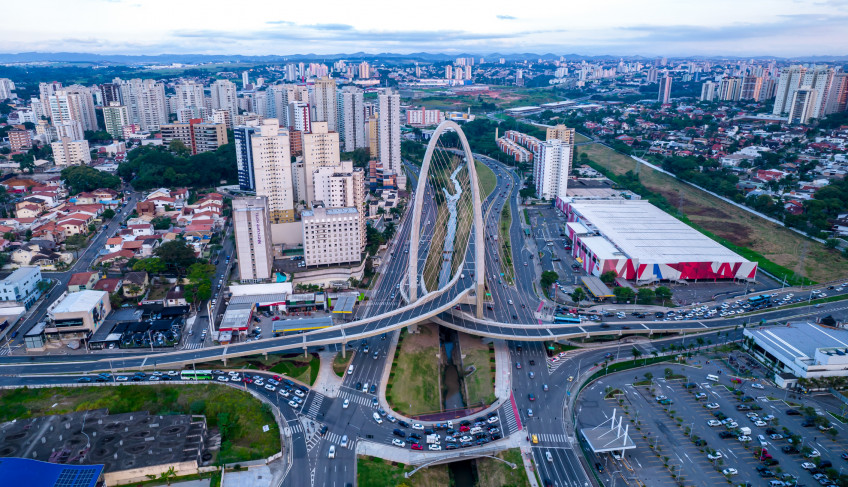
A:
(662, 293)
(646, 295)
(636, 353)
(831, 243)
(108, 213)
(548, 278)
(152, 265)
(578, 295)
(76, 242)
(176, 253)
(623, 294)
(179, 148)
(161, 223)
(84, 178)
(608, 277)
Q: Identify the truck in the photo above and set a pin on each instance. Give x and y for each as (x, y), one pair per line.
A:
(432, 439)
(745, 430)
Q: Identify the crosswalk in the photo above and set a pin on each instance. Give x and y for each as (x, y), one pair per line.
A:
(551, 437)
(356, 398)
(193, 346)
(315, 405)
(508, 420)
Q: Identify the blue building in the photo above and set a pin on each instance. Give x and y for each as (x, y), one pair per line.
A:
(244, 156)
(22, 286)
(34, 473)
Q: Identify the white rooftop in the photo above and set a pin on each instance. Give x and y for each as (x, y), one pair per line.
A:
(80, 301)
(602, 248)
(644, 232)
(798, 340)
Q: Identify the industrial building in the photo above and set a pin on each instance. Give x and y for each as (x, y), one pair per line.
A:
(800, 350)
(638, 241)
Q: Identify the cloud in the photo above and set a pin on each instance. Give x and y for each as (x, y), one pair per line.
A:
(505, 17)
(329, 27)
(279, 22)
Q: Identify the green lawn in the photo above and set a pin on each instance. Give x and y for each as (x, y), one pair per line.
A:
(486, 178)
(376, 472)
(580, 138)
(413, 386)
(481, 383)
(243, 415)
(340, 363)
(298, 368)
(498, 474)
(505, 250)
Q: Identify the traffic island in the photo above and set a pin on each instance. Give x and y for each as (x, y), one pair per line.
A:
(494, 473)
(341, 363)
(294, 366)
(376, 472)
(478, 361)
(413, 387)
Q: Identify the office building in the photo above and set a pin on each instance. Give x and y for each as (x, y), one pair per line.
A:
(708, 91)
(21, 286)
(115, 117)
(224, 96)
(67, 152)
(389, 135)
(197, 135)
(272, 171)
(665, 89)
(351, 112)
(802, 105)
(244, 154)
(252, 229)
(551, 167)
(331, 236)
(324, 102)
(320, 149)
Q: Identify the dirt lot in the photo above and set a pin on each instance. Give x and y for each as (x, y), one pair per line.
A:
(414, 380)
(776, 243)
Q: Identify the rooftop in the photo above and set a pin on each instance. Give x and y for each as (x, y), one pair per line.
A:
(21, 274)
(798, 340)
(80, 301)
(35, 473)
(644, 232)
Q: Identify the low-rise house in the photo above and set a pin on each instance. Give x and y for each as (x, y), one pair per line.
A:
(111, 285)
(176, 297)
(83, 280)
(141, 229)
(135, 284)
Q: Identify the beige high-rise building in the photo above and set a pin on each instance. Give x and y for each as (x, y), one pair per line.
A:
(324, 103)
(373, 126)
(67, 152)
(342, 186)
(331, 236)
(224, 96)
(253, 238)
(196, 135)
(560, 132)
(272, 170)
(320, 149)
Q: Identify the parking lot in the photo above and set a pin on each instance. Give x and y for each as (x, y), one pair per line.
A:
(686, 424)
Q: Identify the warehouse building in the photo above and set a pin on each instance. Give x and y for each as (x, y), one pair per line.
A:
(640, 242)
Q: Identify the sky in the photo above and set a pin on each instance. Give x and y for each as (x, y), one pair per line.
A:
(783, 28)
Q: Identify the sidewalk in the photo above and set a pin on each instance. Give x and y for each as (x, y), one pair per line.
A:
(503, 374)
(327, 382)
(527, 456)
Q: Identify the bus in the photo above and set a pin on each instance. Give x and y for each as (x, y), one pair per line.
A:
(567, 319)
(759, 301)
(196, 375)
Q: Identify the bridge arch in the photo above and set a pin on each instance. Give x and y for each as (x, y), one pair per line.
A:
(477, 213)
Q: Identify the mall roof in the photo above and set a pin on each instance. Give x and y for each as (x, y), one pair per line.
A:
(644, 232)
(34, 473)
(79, 301)
(798, 340)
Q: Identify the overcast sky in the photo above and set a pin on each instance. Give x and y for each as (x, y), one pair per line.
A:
(617, 27)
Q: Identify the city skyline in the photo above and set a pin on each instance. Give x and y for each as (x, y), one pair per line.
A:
(783, 28)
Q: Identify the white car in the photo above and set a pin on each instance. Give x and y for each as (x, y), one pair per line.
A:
(121, 378)
(332, 452)
(343, 442)
(808, 465)
(744, 439)
(417, 426)
(661, 398)
(713, 422)
(269, 387)
(760, 423)
(434, 447)
(700, 395)
(259, 382)
(346, 404)
(222, 378)
(757, 386)
(732, 424)
(493, 420)
(299, 393)
(377, 418)
(813, 454)
(398, 442)
(293, 404)
(712, 405)
(715, 456)
(729, 471)
(283, 393)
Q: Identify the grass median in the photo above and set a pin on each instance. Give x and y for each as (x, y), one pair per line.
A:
(479, 357)
(413, 386)
(295, 366)
(240, 414)
(340, 364)
(376, 472)
(493, 473)
(487, 179)
(505, 248)
(777, 249)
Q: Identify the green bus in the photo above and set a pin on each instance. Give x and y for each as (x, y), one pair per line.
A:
(196, 375)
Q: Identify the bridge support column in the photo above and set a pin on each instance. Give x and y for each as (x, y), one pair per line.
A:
(305, 352)
(481, 291)
(265, 355)
(344, 349)
(225, 360)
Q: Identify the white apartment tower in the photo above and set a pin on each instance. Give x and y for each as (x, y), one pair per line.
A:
(324, 102)
(665, 89)
(224, 96)
(253, 238)
(551, 167)
(115, 116)
(708, 91)
(340, 187)
(802, 106)
(331, 236)
(389, 135)
(73, 103)
(351, 109)
(271, 155)
(320, 149)
(298, 116)
(790, 80)
(67, 152)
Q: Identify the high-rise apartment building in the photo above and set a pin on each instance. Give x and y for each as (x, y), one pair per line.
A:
(197, 135)
(448, 72)
(244, 154)
(324, 102)
(802, 106)
(320, 149)
(299, 117)
(67, 152)
(551, 167)
(44, 92)
(19, 140)
(838, 100)
(364, 70)
(272, 171)
(115, 117)
(751, 87)
(110, 92)
(373, 128)
(73, 103)
(730, 88)
(351, 110)
(342, 186)
(219, 115)
(560, 132)
(790, 80)
(252, 229)
(708, 91)
(245, 80)
(665, 89)
(652, 76)
(7, 89)
(71, 129)
(389, 122)
(189, 101)
(331, 236)
(224, 96)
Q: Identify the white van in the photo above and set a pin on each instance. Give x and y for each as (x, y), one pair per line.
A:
(350, 369)
(476, 430)
(763, 441)
(712, 377)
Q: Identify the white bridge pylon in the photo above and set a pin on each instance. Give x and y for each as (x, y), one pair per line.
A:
(477, 212)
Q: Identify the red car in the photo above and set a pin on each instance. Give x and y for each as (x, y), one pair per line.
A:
(417, 446)
(464, 428)
(275, 318)
(248, 380)
(277, 378)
